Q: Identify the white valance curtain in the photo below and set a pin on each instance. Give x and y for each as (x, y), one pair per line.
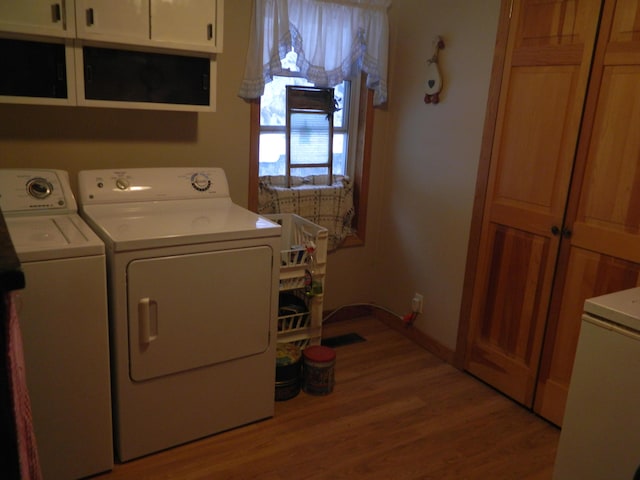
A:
(333, 39)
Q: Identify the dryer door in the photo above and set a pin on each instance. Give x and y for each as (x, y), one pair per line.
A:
(190, 311)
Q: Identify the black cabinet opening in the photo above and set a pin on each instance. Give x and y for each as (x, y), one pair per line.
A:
(131, 76)
(32, 69)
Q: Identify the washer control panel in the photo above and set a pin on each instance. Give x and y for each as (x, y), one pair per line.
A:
(200, 181)
(35, 190)
(151, 184)
(39, 188)
(122, 183)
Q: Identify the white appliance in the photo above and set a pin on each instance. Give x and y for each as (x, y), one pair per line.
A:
(600, 437)
(193, 285)
(63, 319)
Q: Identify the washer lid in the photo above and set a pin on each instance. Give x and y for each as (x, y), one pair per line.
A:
(52, 237)
(141, 225)
(622, 308)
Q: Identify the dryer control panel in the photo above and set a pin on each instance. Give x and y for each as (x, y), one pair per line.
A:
(151, 184)
(35, 190)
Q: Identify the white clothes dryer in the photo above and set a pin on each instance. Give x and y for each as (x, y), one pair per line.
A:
(193, 285)
(64, 324)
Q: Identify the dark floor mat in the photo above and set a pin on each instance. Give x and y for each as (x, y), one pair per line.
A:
(341, 340)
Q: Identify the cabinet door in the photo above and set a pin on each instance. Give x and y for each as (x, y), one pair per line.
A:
(100, 20)
(193, 24)
(38, 17)
(541, 102)
(602, 254)
(133, 79)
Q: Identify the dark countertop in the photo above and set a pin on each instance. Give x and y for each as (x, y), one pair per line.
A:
(11, 276)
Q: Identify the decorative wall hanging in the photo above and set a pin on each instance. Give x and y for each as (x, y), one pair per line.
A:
(434, 79)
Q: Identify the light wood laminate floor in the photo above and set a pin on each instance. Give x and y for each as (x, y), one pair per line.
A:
(397, 412)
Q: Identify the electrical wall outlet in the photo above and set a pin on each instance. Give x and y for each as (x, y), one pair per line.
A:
(416, 303)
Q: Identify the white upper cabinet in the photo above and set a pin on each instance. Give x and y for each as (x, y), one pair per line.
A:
(193, 25)
(124, 21)
(87, 52)
(38, 17)
(196, 24)
(187, 25)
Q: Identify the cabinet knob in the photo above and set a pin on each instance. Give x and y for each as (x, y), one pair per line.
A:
(89, 16)
(566, 233)
(56, 12)
(555, 230)
(209, 31)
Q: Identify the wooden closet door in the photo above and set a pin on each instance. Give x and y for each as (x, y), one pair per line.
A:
(602, 255)
(544, 81)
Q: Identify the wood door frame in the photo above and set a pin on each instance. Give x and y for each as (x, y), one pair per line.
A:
(482, 180)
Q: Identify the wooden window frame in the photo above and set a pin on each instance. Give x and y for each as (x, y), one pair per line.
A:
(361, 170)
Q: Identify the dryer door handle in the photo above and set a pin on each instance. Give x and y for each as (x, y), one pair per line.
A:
(148, 320)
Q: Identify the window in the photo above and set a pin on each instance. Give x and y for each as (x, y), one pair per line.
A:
(272, 150)
(353, 153)
(334, 41)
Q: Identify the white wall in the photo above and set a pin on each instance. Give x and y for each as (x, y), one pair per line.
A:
(432, 154)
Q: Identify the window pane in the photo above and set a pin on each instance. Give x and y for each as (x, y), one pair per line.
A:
(289, 61)
(309, 138)
(273, 151)
(272, 154)
(339, 95)
(306, 171)
(273, 116)
(339, 153)
(273, 102)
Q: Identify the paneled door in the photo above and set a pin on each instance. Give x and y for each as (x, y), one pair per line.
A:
(544, 82)
(602, 254)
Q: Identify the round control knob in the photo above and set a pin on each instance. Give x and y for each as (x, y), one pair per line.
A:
(122, 183)
(200, 182)
(39, 188)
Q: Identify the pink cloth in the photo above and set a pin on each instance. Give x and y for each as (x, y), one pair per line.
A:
(27, 448)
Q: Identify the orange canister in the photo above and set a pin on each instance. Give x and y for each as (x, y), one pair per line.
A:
(318, 370)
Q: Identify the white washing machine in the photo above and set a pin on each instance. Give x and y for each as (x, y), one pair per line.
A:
(600, 437)
(63, 319)
(193, 285)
